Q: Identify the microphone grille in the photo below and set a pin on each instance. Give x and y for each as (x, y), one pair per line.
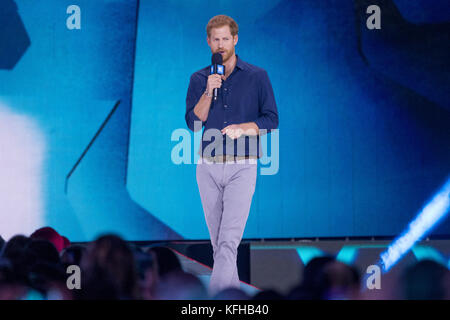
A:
(217, 58)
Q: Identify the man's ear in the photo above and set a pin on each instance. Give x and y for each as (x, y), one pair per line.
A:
(235, 39)
(207, 41)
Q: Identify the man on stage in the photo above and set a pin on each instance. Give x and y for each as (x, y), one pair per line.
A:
(226, 172)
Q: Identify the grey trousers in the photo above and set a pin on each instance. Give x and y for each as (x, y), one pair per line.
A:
(226, 191)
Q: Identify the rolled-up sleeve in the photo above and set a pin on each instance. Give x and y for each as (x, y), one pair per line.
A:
(268, 113)
(194, 94)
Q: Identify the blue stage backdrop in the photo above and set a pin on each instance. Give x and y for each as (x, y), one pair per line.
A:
(87, 115)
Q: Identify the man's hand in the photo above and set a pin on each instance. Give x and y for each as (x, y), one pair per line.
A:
(234, 131)
(214, 82)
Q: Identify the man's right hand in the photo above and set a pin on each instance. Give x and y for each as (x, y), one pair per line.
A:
(214, 81)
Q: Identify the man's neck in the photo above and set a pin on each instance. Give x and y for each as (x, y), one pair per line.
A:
(230, 65)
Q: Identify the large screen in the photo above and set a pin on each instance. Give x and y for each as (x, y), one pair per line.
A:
(93, 101)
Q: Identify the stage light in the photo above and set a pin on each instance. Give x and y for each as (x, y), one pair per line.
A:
(349, 253)
(428, 217)
(22, 151)
(428, 253)
(307, 253)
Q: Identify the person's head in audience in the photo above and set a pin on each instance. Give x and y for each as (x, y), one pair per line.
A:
(147, 273)
(35, 264)
(180, 285)
(325, 278)
(46, 274)
(50, 234)
(109, 269)
(2, 242)
(49, 279)
(166, 260)
(7, 274)
(426, 280)
(340, 282)
(42, 251)
(10, 287)
(312, 285)
(15, 247)
(72, 255)
(15, 250)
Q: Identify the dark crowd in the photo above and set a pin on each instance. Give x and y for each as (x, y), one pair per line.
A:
(36, 268)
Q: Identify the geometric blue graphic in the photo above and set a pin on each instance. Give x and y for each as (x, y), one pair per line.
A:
(66, 84)
(14, 39)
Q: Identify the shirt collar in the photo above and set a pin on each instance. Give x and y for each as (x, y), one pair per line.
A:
(240, 63)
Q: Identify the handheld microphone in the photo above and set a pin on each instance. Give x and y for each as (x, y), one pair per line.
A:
(216, 68)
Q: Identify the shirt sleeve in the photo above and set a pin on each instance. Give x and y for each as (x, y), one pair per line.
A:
(194, 94)
(268, 113)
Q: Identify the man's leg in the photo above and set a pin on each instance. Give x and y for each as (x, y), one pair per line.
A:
(239, 181)
(209, 179)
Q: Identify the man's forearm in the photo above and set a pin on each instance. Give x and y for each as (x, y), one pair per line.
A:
(201, 109)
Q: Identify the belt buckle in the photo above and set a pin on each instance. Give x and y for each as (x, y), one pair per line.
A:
(219, 159)
(230, 158)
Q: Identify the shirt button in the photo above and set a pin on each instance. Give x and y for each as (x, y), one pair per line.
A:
(225, 106)
(224, 122)
(225, 89)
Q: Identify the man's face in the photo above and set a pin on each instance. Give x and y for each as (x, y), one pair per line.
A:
(221, 41)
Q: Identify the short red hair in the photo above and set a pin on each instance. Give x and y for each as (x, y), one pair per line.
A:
(220, 21)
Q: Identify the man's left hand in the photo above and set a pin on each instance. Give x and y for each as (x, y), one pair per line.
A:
(234, 131)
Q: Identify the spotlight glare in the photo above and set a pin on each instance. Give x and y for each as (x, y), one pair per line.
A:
(430, 215)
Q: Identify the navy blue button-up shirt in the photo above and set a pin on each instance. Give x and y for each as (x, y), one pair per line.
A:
(245, 96)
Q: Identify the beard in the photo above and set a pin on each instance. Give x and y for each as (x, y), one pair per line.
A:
(226, 55)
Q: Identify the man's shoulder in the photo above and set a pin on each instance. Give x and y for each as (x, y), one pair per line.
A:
(202, 73)
(252, 68)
